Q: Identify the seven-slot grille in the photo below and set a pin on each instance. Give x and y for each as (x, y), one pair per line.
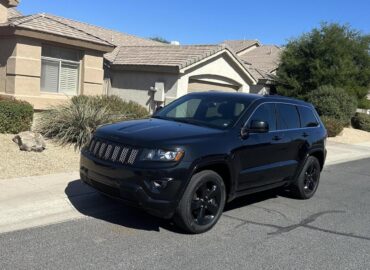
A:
(113, 152)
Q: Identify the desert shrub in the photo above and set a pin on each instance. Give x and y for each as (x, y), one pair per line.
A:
(361, 121)
(75, 122)
(116, 105)
(334, 103)
(332, 125)
(15, 116)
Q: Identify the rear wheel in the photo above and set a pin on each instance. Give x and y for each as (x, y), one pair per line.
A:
(202, 203)
(308, 180)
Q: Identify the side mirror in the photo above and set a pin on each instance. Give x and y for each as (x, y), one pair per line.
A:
(256, 126)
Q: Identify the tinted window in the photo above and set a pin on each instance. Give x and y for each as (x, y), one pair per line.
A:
(288, 117)
(265, 112)
(207, 110)
(308, 118)
(185, 110)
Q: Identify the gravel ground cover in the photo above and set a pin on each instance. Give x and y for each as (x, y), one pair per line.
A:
(15, 163)
(352, 136)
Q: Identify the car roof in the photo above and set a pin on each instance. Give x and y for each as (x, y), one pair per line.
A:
(252, 97)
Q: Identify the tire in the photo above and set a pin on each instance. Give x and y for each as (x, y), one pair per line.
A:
(202, 203)
(308, 180)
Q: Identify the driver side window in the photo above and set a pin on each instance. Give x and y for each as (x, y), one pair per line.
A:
(265, 112)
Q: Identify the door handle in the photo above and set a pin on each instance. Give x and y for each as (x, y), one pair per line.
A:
(276, 138)
(305, 135)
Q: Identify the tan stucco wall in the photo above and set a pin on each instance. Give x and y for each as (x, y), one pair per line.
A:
(3, 11)
(20, 72)
(218, 70)
(24, 68)
(135, 86)
(92, 74)
(7, 46)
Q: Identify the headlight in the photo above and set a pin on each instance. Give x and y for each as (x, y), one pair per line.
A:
(162, 155)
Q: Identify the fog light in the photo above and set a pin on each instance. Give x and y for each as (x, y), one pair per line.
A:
(157, 186)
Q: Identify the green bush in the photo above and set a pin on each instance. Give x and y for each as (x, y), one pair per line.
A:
(15, 116)
(361, 121)
(364, 104)
(75, 122)
(333, 102)
(332, 125)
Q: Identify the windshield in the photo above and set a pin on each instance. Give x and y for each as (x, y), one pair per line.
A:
(207, 110)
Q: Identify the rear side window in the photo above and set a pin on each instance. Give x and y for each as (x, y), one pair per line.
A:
(265, 112)
(308, 118)
(288, 117)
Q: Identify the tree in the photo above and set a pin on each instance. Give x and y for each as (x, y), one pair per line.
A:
(160, 39)
(333, 54)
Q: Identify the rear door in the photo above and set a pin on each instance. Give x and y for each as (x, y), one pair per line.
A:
(260, 156)
(288, 123)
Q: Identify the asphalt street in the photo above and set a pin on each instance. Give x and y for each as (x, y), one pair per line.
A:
(263, 231)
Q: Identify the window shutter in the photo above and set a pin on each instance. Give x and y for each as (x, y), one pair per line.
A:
(69, 79)
(49, 76)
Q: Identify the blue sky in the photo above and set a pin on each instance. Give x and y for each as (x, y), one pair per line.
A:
(206, 21)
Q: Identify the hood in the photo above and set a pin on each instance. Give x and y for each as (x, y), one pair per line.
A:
(151, 132)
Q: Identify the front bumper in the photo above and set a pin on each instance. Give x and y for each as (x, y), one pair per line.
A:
(134, 186)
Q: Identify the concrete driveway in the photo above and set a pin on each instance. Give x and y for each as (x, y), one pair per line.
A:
(57, 222)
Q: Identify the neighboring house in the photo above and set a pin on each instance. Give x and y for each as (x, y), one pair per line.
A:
(45, 59)
(176, 71)
(262, 62)
(42, 60)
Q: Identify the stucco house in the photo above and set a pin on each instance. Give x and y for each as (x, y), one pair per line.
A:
(45, 59)
(169, 72)
(261, 61)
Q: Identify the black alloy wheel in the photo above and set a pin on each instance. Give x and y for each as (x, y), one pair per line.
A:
(202, 203)
(206, 202)
(308, 180)
(311, 179)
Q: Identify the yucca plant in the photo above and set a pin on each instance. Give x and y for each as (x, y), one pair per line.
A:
(75, 122)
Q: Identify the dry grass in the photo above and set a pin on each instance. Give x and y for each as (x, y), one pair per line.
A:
(15, 163)
(352, 136)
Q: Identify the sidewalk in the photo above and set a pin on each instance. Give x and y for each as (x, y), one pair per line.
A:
(341, 152)
(41, 200)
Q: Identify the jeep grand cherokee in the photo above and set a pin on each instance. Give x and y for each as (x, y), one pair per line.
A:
(206, 149)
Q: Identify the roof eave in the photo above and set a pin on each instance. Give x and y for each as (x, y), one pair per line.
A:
(146, 68)
(18, 31)
(231, 55)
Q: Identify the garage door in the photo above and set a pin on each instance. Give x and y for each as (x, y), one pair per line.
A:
(202, 86)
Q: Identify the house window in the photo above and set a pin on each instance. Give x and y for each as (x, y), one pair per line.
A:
(60, 70)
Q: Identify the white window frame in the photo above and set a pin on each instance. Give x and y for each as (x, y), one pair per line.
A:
(60, 62)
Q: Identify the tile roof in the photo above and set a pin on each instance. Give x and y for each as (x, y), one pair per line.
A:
(74, 29)
(240, 45)
(260, 74)
(51, 25)
(265, 57)
(164, 56)
(113, 37)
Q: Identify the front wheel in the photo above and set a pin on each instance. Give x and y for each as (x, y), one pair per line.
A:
(202, 203)
(308, 180)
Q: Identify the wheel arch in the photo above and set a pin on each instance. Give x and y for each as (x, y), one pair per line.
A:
(319, 154)
(221, 167)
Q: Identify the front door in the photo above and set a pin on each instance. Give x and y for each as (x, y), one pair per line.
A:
(261, 158)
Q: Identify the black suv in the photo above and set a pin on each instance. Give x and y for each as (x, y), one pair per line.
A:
(206, 149)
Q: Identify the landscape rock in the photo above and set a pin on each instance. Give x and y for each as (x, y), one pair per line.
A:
(30, 141)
